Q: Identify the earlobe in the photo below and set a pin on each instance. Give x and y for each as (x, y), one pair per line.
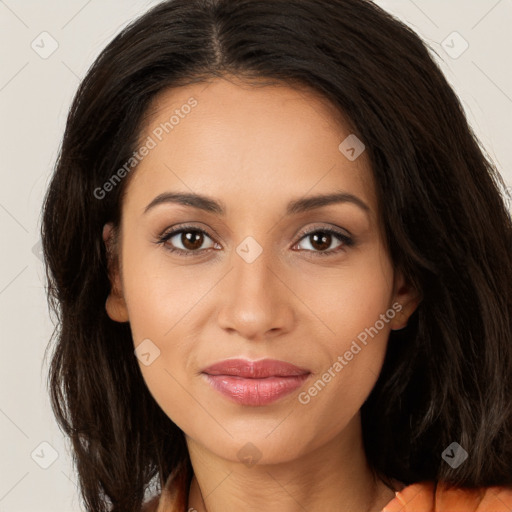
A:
(115, 304)
(116, 308)
(408, 298)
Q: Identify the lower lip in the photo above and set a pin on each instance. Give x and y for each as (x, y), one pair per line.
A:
(255, 391)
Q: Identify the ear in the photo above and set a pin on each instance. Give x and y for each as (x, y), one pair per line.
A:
(115, 304)
(408, 298)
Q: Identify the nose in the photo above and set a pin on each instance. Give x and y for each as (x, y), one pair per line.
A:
(256, 302)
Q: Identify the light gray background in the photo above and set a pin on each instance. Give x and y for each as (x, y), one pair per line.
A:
(35, 94)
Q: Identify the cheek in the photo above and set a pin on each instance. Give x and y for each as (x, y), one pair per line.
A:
(339, 390)
(355, 306)
(349, 299)
(158, 296)
(158, 304)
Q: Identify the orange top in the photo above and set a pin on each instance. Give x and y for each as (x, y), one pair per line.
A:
(418, 497)
(426, 497)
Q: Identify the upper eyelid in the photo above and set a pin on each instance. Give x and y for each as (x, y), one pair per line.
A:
(169, 233)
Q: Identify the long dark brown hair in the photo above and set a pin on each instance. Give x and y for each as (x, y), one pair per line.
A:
(447, 376)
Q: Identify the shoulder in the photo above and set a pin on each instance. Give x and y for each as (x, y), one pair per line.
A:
(429, 497)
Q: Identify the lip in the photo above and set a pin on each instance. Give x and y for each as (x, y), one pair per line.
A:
(255, 383)
(255, 369)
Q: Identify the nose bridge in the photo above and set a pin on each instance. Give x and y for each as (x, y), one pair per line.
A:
(253, 298)
(253, 277)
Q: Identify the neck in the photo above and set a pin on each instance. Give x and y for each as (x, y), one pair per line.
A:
(333, 477)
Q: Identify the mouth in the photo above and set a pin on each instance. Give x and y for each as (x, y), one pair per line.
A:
(255, 383)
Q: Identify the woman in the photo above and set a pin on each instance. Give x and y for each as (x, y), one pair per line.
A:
(282, 269)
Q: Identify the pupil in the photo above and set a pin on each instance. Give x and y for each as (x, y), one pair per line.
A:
(324, 241)
(190, 240)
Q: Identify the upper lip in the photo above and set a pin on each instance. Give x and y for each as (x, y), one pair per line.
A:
(255, 369)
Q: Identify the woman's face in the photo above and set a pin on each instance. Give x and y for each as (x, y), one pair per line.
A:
(254, 285)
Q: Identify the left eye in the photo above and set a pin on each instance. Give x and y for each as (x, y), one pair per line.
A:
(323, 239)
(192, 240)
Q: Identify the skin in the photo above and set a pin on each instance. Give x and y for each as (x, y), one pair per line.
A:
(255, 149)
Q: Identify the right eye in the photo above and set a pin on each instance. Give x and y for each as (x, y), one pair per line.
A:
(189, 237)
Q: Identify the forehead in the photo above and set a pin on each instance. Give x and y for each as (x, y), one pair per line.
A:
(234, 140)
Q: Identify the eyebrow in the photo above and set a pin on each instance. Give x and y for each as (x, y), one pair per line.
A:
(294, 207)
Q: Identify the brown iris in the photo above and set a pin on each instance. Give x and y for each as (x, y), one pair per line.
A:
(192, 240)
(321, 241)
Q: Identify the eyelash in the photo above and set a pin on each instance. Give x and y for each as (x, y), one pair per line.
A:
(165, 237)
